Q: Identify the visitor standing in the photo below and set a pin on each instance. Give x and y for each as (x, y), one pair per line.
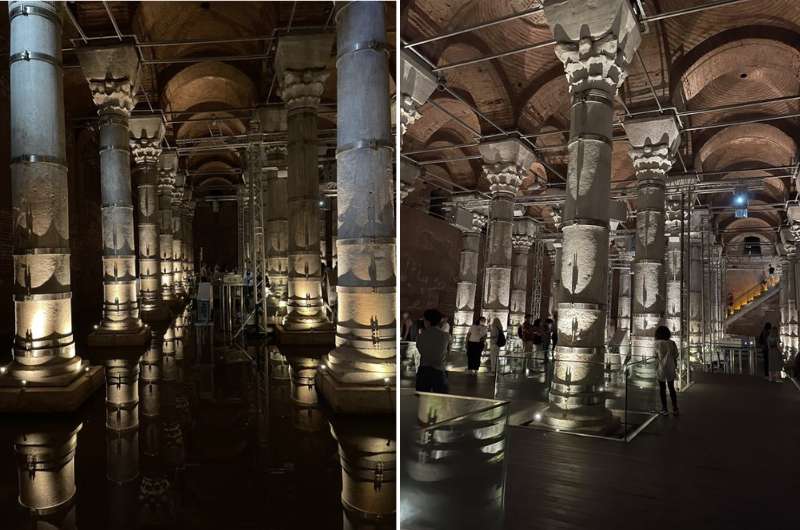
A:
(432, 345)
(476, 342)
(666, 362)
(775, 358)
(763, 346)
(497, 340)
(409, 330)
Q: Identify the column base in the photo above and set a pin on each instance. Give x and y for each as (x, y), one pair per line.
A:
(587, 420)
(102, 338)
(46, 399)
(321, 336)
(347, 398)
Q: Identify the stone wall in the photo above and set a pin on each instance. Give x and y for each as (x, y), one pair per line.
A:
(428, 263)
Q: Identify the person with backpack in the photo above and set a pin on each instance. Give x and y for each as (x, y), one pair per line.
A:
(497, 340)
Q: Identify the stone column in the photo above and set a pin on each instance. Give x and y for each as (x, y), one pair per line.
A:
(177, 235)
(595, 46)
(111, 73)
(187, 217)
(791, 286)
(674, 270)
(695, 295)
(555, 282)
(301, 62)
(505, 165)
(623, 336)
(167, 169)
(276, 229)
(465, 289)
(363, 363)
(417, 83)
(122, 418)
(43, 347)
(654, 142)
(522, 240)
(145, 142)
(409, 173)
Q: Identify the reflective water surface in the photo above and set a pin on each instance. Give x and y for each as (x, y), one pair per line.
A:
(187, 441)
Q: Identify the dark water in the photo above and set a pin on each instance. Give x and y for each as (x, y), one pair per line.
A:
(252, 450)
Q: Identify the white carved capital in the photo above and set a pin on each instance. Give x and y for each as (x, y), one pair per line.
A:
(303, 88)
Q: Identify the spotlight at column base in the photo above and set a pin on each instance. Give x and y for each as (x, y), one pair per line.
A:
(585, 420)
(51, 398)
(104, 338)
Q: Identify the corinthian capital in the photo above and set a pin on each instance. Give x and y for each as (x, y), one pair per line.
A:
(506, 163)
(654, 143)
(417, 83)
(595, 40)
(112, 76)
(167, 171)
(522, 242)
(145, 141)
(303, 88)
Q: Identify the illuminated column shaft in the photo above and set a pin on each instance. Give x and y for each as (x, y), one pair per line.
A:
(146, 136)
(44, 348)
(674, 270)
(653, 146)
(177, 237)
(555, 282)
(189, 205)
(46, 468)
(111, 73)
(150, 370)
(695, 294)
(168, 167)
(300, 61)
(505, 164)
(595, 45)
(465, 289)
(365, 239)
(521, 242)
(624, 306)
(791, 284)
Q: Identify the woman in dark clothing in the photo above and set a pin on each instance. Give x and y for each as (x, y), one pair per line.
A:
(763, 344)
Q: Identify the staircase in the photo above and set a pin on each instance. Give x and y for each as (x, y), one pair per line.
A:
(755, 303)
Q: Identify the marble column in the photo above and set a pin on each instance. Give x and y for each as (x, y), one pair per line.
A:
(167, 170)
(595, 45)
(622, 338)
(43, 347)
(122, 418)
(301, 62)
(673, 266)
(177, 235)
(505, 165)
(555, 281)
(522, 239)
(187, 216)
(417, 83)
(792, 286)
(695, 282)
(146, 136)
(273, 121)
(112, 75)
(654, 142)
(362, 366)
(466, 287)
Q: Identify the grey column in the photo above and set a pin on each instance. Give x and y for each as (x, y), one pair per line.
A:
(466, 287)
(555, 281)
(522, 239)
(167, 169)
(505, 165)
(111, 73)
(301, 62)
(276, 224)
(654, 142)
(177, 235)
(146, 136)
(187, 219)
(623, 338)
(595, 46)
(695, 295)
(366, 339)
(44, 347)
(674, 270)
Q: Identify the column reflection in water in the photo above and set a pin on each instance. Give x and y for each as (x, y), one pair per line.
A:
(453, 471)
(45, 461)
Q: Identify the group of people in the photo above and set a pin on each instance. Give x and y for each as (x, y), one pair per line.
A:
(433, 342)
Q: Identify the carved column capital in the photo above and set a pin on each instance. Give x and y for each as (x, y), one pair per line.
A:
(409, 173)
(167, 172)
(111, 94)
(417, 83)
(112, 76)
(303, 88)
(145, 150)
(522, 242)
(505, 165)
(654, 143)
(595, 43)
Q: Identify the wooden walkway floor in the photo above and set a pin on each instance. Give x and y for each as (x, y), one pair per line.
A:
(730, 461)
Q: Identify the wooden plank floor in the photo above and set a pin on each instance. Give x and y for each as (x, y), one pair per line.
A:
(730, 461)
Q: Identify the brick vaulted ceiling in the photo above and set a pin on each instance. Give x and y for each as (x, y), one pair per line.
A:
(744, 52)
(212, 62)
